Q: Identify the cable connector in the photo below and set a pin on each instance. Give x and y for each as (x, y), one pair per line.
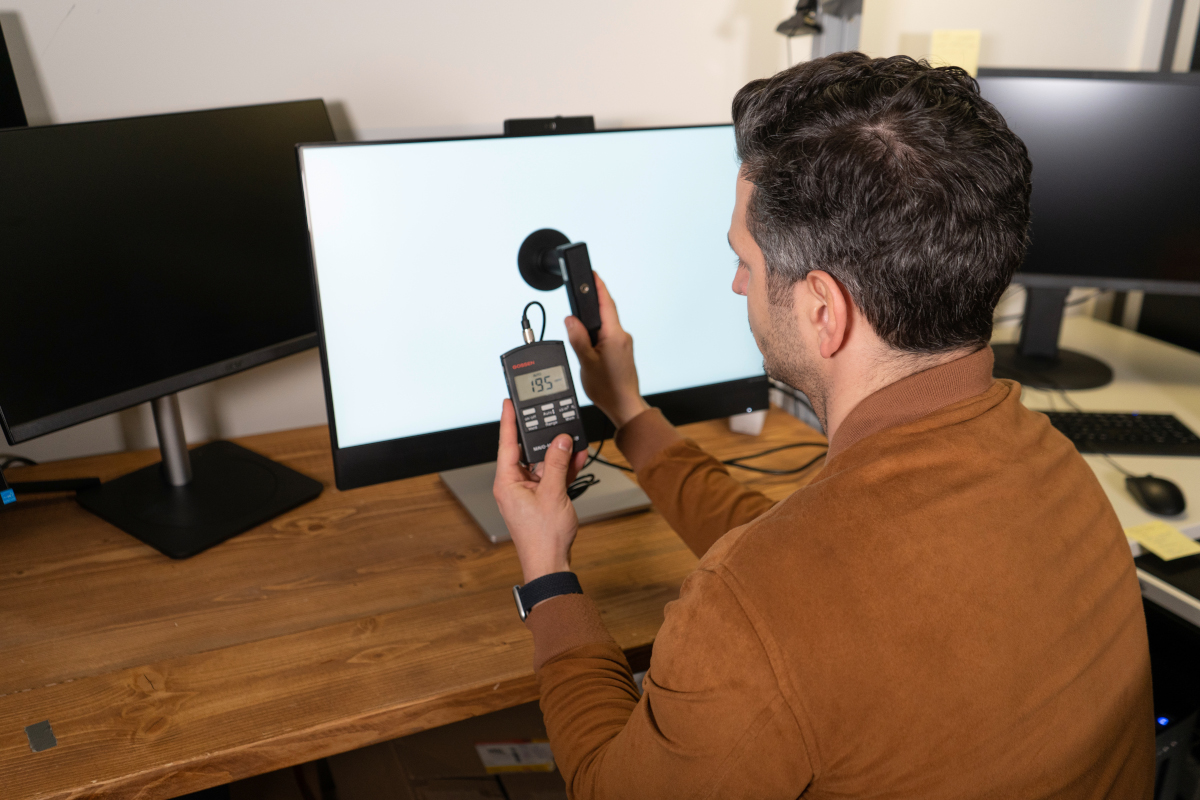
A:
(7, 495)
(526, 330)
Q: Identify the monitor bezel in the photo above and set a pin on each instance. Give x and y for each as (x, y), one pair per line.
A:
(31, 429)
(1044, 280)
(438, 451)
(23, 432)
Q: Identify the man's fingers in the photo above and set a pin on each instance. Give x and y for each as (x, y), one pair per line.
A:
(609, 321)
(580, 341)
(555, 465)
(508, 455)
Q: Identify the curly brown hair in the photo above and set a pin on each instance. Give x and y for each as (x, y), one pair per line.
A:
(899, 180)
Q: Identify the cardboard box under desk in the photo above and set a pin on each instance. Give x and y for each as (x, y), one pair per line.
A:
(443, 763)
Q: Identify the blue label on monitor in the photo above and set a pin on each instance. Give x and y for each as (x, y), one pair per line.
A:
(8, 496)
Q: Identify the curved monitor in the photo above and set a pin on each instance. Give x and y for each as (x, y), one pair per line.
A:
(146, 255)
(415, 258)
(1116, 176)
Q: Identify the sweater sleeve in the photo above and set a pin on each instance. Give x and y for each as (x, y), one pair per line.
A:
(698, 497)
(712, 721)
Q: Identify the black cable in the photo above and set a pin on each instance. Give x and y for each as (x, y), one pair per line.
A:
(525, 317)
(791, 446)
(734, 462)
(41, 487)
(581, 484)
(11, 461)
(585, 480)
(608, 463)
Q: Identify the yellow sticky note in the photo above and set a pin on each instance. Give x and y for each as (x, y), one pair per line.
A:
(1165, 541)
(956, 49)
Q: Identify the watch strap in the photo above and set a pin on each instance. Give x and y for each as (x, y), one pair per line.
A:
(544, 588)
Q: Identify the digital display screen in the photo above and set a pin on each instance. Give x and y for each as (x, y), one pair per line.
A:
(532, 385)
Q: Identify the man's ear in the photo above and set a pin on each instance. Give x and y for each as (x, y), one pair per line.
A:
(827, 306)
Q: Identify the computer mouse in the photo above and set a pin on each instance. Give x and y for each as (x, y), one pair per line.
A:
(1156, 495)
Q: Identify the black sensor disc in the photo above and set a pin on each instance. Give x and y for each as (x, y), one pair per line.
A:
(536, 259)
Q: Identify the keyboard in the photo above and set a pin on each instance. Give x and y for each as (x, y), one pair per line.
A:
(1126, 434)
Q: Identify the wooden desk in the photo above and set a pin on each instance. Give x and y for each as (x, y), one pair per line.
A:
(357, 618)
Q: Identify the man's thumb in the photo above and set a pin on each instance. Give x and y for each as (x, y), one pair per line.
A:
(556, 463)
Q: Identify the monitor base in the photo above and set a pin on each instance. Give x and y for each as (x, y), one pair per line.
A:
(613, 496)
(232, 490)
(1069, 371)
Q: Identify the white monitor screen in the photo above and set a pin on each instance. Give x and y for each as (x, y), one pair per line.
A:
(415, 247)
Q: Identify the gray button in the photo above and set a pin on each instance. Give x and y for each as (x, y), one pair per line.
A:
(528, 411)
(548, 407)
(550, 420)
(566, 402)
(531, 424)
(568, 415)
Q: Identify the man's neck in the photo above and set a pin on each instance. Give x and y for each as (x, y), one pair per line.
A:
(853, 381)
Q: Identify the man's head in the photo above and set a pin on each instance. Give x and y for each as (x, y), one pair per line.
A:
(892, 181)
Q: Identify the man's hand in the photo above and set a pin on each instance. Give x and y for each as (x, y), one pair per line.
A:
(607, 371)
(534, 503)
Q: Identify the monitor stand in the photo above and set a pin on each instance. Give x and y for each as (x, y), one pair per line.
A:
(1036, 360)
(613, 496)
(191, 501)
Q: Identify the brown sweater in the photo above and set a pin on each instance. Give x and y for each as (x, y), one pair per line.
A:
(949, 610)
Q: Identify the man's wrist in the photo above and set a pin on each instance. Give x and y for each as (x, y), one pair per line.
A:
(627, 411)
(547, 587)
(542, 570)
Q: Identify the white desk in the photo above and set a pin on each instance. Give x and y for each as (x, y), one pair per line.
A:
(1148, 376)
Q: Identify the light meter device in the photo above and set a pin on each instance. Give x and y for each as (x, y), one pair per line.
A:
(542, 392)
(576, 269)
(548, 259)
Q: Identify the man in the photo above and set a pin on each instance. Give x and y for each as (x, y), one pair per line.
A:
(949, 609)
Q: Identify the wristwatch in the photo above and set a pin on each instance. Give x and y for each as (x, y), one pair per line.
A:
(544, 588)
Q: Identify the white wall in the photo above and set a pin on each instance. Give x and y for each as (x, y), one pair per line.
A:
(1047, 34)
(392, 68)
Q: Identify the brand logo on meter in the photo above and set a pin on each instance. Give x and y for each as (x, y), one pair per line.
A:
(524, 364)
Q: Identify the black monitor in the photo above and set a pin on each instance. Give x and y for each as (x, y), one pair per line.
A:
(12, 111)
(1116, 200)
(144, 256)
(416, 260)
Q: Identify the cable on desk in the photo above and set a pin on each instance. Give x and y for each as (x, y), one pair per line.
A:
(735, 462)
(9, 491)
(7, 461)
(585, 480)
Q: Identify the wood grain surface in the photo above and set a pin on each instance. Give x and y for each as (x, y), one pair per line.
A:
(359, 617)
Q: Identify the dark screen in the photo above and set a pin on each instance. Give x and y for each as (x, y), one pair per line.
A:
(1116, 174)
(135, 250)
(12, 112)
